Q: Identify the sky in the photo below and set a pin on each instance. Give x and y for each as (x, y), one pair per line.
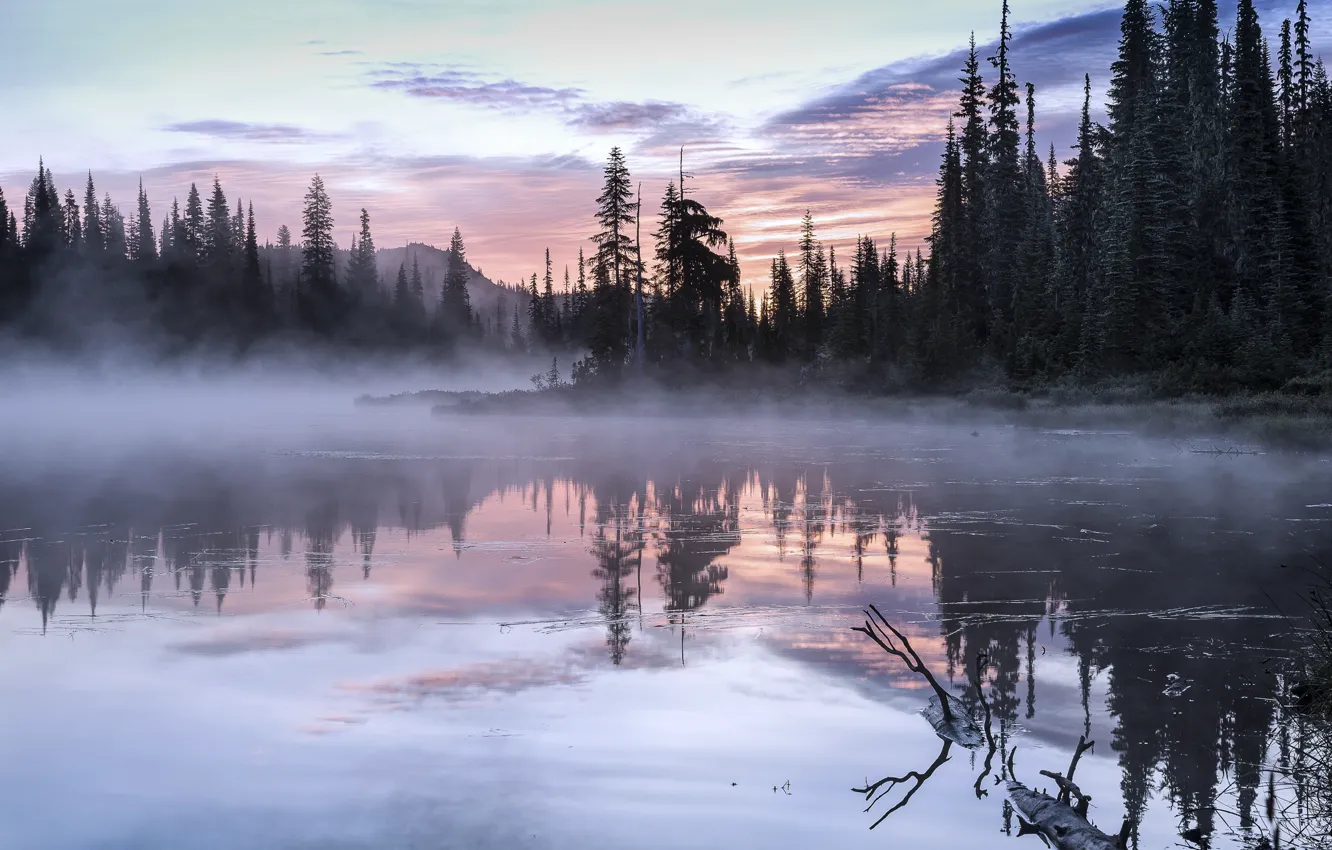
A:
(496, 117)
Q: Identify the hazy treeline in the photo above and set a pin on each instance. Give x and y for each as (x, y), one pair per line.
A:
(1188, 241)
(201, 278)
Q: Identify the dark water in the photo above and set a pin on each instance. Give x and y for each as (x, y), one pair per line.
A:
(387, 631)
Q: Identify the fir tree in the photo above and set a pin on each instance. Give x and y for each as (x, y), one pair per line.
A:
(972, 148)
(455, 303)
(1004, 203)
(145, 244)
(256, 295)
(362, 273)
(192, 235)
(320, 299)
(609, 320)
(812, 274)
(94, 240)
(218, 239)
(73, 230)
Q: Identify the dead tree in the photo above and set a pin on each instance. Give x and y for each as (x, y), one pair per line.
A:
(1062, 820)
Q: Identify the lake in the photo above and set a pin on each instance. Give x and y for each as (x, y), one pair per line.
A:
(387, 629)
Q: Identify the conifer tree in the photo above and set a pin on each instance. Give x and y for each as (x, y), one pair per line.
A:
(1004, 202)
(455, 303)
(192, 242)
(609, 316)
(972, 149)
(517, 342)
(402, 305)
(256, 295)
(784, 309)
(218, 239)
(812, 285)
(145, 244)
(320, 300)
(113, 228)
(417, 319)
(72, 228)
(362, 273)
(164, 248)
(94, 240)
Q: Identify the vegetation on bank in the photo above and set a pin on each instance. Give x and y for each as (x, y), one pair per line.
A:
(1185, 242)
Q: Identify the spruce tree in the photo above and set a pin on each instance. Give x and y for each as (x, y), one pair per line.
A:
(145, 244)
(417, 319)
(609, 322)
(402, 306)
(517, 341)
(1004, 202)
(218, 238)
(455, 303)
(113, 228)
(73, 229)
(255, 294)
(320, 300)
(812, 286)
(192, 242)
(362, 273)
(972, 149)
(784, 310)
(94, 240)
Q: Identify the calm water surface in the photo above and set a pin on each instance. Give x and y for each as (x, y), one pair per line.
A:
(384, 630)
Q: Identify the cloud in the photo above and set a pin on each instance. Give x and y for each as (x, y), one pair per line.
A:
(570, 104)
(275, 640)
(242, 131)
(340, 53)
(625, 115)
(466, 87)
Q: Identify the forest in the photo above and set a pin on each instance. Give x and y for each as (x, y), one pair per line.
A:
(1185, 243)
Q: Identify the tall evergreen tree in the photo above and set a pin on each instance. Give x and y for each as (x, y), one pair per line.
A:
(1005, 195)
(455, 303)
(812, 274)
(218, 239)
(609, 321)
(192, 239)
(255, 293)
(73, 229)
(145, 243)
(94, 240)
(362, 272)
(320, 299)
(973, 147)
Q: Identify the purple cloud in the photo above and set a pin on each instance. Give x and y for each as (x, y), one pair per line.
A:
(243, 131)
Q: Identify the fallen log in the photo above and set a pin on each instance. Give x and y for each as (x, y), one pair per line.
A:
(1058, 823)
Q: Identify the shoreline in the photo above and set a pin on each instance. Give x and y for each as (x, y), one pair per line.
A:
(1243, 422)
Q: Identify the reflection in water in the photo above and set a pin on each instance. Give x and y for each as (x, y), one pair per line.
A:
(1153, 583)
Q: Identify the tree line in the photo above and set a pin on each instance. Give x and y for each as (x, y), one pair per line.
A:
(1187, 240)
(201, 278)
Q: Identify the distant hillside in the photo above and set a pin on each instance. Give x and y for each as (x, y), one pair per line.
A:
(434, 264)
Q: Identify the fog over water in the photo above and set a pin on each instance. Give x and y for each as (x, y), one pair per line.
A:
(241, 611)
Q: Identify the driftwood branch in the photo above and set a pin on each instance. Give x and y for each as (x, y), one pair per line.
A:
(887, 637)
(982, 659)
(888, 783)
(1069, 793)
